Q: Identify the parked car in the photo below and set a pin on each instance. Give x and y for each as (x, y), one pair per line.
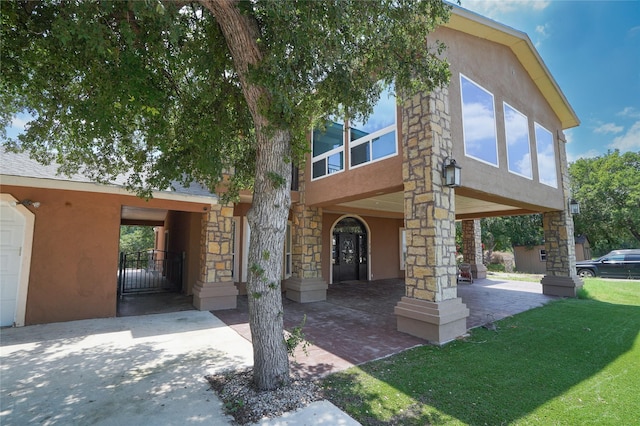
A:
(617, 264)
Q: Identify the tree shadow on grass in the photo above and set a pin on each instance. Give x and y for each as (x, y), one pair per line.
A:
(493, 377)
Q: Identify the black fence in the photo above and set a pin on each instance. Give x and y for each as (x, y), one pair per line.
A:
(150, 271)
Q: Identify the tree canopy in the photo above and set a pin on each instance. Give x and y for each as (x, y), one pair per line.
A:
(150, 88)
(188, 90)
(608, 190)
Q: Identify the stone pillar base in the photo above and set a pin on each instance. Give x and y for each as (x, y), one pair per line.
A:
(437, 322)
(561, 286)
(479, 271)
(215, 296)
(306, 290)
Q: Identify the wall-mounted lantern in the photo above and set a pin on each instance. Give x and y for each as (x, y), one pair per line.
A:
(26, 203)
(574, 206)
(451, 172)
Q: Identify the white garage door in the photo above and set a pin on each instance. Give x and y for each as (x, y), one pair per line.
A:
(12, 227)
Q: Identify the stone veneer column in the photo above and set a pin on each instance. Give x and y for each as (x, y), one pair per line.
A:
(559, 243)
(472, 247)
(306, 284)
(215, 289)
(431, 309)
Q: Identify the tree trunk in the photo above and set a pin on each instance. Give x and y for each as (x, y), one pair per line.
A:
(268, 221)
(270, 208)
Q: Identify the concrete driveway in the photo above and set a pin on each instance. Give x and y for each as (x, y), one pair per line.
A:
(144, 370)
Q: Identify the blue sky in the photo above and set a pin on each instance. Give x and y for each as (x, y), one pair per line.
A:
(592, 49)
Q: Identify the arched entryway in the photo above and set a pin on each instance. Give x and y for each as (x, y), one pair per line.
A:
(349, 250)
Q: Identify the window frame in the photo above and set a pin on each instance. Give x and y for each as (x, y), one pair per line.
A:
(464, 129)
(555, 160)
(403, 248)
(506, 140)
(325, 155)
(235, 238)
(369, 139)
(542, 254)
(287, 257)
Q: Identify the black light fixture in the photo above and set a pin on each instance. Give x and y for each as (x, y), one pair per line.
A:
(574, 206)
(26, 203)
(451, 172)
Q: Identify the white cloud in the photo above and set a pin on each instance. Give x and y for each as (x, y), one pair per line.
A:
(495, 8)
(608, 128)
(592, 153)
(568, 135)
(479, 123)
(542, 30)
(19, 122)
(630, 112)
(630, 141)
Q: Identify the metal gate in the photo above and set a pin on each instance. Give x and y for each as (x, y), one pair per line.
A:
(150, 271)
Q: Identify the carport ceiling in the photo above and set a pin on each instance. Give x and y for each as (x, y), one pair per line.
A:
(143, 214)
(394, 203)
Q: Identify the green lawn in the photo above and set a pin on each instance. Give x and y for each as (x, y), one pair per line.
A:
(571, 362)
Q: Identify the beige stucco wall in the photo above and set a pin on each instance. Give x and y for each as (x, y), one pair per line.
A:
(496, 69)
(184, 236)
(74, 262)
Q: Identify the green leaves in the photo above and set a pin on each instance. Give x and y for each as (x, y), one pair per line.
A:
(608, 190)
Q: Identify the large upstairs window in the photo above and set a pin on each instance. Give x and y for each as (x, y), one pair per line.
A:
(546, 156)
(368, 141)
(328, 149)
(375, 139)
(478, 122)
(516, 128)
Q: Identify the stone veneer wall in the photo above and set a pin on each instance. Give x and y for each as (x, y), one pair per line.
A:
(307, 241)
(560, 278)
(558, 231)
(428, 204)
(306, 283)
(216, 258)
(431, 309)
(215, 288)
(472, 247)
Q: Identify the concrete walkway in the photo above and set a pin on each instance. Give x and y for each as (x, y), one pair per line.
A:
(142, 370)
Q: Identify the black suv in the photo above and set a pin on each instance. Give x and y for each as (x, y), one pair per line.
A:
(617, 264)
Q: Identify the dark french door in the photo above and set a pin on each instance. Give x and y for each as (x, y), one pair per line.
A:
(349, 251)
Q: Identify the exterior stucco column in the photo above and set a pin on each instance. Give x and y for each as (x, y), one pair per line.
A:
(215, 289)
(306, 283)
(472, 247)
(430, 309)
(559, 242)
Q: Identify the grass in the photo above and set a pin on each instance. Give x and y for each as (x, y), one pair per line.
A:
(515, 276)
(573, 361)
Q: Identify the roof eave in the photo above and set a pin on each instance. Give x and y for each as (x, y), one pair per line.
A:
(69, 185)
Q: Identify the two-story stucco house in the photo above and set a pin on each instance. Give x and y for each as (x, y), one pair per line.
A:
(370, 203)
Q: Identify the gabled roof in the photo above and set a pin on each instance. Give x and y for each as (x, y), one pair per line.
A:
(20, 170)
(479, 26)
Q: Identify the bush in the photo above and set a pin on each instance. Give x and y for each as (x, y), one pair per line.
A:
(495, 267)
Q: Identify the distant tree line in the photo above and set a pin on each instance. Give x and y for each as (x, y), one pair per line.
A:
(608, 190)
(136, 238)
